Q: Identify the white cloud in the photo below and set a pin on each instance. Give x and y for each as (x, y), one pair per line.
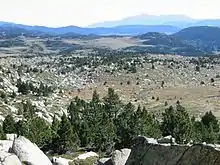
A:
(84, 12)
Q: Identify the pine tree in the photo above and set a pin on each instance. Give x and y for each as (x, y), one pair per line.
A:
(209, 120)
(168, 122)
(183, 129)
(177, 123)
(148, 125)
(112, 103)
(38, 131)
(23, 87)
(74, 112)
(21, 128)
(2, 134)
(126, 124)
(105, 136)
(93, 116)
(55, 127)
(9, 125)
(67, 140)
(95, 97)
(28, 110)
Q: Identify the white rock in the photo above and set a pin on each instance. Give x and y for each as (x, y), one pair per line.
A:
(86, 155)
(11, 137)
(119, 157)
(60, 161)
(152, 140)
(8, 159)
(105, 161)
(29, 152)
(13, 109)
(5, 145)
(167, 140)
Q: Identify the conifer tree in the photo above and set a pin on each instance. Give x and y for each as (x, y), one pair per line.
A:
(95, 97)
(74, 113)
(21, 128)
(112, 103)
(67, 140)
(148, 124)
(38, 131)
(126, 126)
(55, 126)
(2, 134)
(28, 110)
(9, 125)
(177, 123)
(209, 120)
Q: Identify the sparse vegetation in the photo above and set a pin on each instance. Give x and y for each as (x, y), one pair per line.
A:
(50, 95)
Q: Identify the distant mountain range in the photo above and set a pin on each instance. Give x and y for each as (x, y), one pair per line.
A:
(134, 25)
(179, 21)
(118, 30)
(166, 39)
(145, 19)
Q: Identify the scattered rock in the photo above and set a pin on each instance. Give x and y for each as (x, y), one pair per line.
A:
(167, 140)
(8, 159)
(105, 161)
(28, 152)
(86, 155)
(120, 157)
(5, 145)
(151, 140)
(11, 137)
(60, 161)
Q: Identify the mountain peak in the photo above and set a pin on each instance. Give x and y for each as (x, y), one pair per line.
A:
(145, 19)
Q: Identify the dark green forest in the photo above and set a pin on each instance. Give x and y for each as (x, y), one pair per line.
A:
(106, 124)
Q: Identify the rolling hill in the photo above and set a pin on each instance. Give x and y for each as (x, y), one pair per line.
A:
(202, 37)
(165, 44)
(201, 40)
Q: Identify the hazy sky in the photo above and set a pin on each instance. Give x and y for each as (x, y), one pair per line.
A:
(85, 12)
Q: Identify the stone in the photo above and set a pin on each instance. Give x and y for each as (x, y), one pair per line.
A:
(11, 137)
(119, 157)
(167, 140)
(9, 159)
(28, 152)
(143, 153)
(5, 145)
(60, 161)
(200, 154)
(86, 155)
(105, 161)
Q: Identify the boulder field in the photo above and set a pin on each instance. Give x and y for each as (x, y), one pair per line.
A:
(144, 151)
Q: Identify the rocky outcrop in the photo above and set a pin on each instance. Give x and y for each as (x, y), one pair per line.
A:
(28, 152)
(8, 159)
(119, 157)
(145, 153)
(5, 145)
(11, 137)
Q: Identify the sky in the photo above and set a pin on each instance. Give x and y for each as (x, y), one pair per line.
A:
(56, 13)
